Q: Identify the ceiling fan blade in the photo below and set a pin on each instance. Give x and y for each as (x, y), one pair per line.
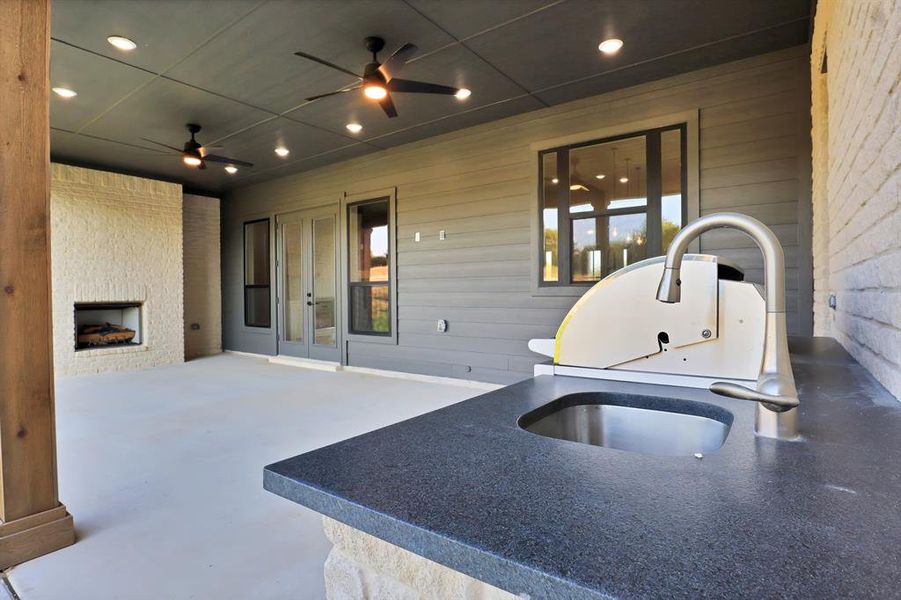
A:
(225, 159)
(392, 67)
(350, 89)
(387, 105)
(179, 150)
(327, 64)
(419, 87)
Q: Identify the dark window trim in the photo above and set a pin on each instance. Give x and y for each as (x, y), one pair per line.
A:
(353, 284)
(244, 273)
(565, 219)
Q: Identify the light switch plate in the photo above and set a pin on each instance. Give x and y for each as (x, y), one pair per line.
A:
(442, 235)
(416, 237)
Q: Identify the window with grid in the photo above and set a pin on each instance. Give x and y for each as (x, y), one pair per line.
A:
(606, 204)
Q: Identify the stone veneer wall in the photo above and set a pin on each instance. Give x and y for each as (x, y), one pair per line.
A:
(363, 567)
(203, 276)
(856, 119)
(116, 238)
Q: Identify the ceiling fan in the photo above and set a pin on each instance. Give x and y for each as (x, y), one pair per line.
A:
(379, 80)
(195, 155)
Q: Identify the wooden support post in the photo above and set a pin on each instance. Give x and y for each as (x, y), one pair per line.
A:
(32, 520)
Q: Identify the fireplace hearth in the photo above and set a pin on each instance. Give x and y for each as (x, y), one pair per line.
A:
(107, 324)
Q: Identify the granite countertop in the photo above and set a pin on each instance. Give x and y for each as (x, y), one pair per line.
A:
(466, 487)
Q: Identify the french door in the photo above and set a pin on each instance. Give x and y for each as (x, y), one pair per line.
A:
(307, 291)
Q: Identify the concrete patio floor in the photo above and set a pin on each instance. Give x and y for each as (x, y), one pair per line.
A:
(162, 470)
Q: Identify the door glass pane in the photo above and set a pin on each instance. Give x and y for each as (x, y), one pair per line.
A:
(292, 298)
(549, 195)
(324, 284)
(608, 176)
(671, 175)
(602, 245)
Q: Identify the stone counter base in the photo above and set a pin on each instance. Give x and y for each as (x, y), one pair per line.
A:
(363, 567)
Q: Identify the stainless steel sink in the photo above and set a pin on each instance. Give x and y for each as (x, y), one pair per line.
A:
(643, 424)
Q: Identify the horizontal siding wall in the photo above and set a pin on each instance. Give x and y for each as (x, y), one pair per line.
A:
(477, 185)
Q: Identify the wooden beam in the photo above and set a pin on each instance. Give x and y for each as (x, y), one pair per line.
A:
(32, 520)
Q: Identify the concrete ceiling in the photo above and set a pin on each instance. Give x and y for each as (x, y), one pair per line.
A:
(229, 65)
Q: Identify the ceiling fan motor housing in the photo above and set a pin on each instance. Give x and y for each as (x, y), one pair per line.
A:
(371, 73)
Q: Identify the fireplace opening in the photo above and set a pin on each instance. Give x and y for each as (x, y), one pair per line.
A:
(106, 324)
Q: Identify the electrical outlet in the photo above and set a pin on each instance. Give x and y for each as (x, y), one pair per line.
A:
(442, 326)
(442, 235)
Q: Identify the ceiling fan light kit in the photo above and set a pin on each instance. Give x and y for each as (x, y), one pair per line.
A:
(379, 81)
(376, 91)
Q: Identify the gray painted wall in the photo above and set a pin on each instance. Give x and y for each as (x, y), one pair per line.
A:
(479, 185)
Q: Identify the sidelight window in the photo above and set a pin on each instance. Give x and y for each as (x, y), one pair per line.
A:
(257, 292)
(369, 295)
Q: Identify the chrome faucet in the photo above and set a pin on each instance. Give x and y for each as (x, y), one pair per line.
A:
(776, 396)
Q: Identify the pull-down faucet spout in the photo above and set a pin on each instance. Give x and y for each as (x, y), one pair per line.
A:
(776, 396)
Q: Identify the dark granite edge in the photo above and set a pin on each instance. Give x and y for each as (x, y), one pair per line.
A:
(456, 555)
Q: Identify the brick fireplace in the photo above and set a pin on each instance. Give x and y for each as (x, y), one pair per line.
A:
(116, 244)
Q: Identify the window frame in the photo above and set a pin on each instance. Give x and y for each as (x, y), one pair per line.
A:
(652, 208)
(368, 284)
(247, 286)
(348, 199)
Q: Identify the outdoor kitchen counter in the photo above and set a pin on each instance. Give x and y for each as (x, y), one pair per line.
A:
(467, 488)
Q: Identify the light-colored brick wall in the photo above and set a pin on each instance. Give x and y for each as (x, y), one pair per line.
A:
(203, 278)
(857, 182)
(116, 238)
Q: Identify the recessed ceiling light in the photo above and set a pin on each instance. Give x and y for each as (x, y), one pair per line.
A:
(122, 43)
(191, 161)
(354, 127)
(610, 46)
(376, 92)
(624, 180)
(64, 92)
(554, 180)
(463, 94)
(231, 169)
(282, 151)
(599, 176)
